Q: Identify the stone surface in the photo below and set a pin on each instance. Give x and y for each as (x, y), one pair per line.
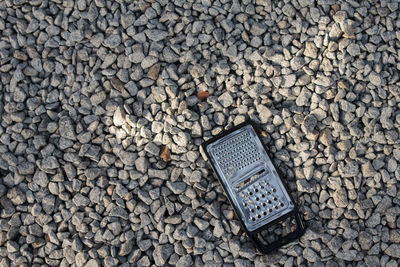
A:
(104, 106)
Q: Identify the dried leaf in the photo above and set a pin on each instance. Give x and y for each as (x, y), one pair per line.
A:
(165, 154)
(110, 189)
(343, 84)
(349, 36)
(263, 133)
(203, 95)
(335, 7)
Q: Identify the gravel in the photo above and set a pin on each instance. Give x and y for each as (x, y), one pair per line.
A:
(91, 92)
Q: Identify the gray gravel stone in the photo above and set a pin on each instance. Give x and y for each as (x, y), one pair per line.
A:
(310, 50)
(161, 254)
(142, 164)
(66, 128)
(152, 149)
(41, 179)
(264, 113)
(156, 35)
(80, 200)
(289, 80)
(159, 94)
(393, 250)
(119, 117)
(227, 25)
(32, 26)
(354, 49)
(309, 123)
(340, 198)
(119, 212)
(349, 255)
(310, 255)
(225, 99)
(50, 163)
(176, 187)
(349, 170)
(169, 55)
(112, 41)
(375, 79)
(127, 158)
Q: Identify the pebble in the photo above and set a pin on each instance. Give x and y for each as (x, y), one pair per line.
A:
(119, 212)
(225, 99)
(375, 79)
(159, 94)
(393, 250)
(264, 113)
(310, 50)
(354, 49)
(326, 137)
(156, 35)
(350, 169)
(169, 55)
(289, 80)
(309, 123)
(161, 254)
(80, 200)
(112, 41)
(227, 25)
(50, 163)
(142, 164)
(310, 255)
(66, 128)
(154, 72)
(32, 26)
(296, 63)
(340, 198)
(119, 117)
(152, 149)
(197, 71)
(41, 179)
(303, 98)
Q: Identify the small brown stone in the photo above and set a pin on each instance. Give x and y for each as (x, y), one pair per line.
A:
(20, 55)
(154, 72)
(117, 84)
(32, 52)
